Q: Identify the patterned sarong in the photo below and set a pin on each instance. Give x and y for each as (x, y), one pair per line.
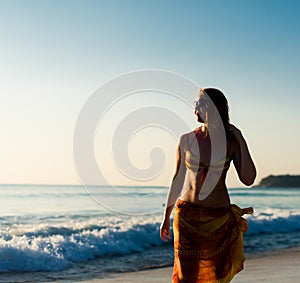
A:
(208, 243)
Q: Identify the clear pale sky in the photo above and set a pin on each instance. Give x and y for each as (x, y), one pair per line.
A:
(55, 54)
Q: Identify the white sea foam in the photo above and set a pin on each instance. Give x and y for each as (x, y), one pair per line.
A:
(271, 221)
(54, 247)
(32, 247)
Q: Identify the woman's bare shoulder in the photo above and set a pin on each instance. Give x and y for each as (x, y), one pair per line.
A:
(234, 146)
(187, 137)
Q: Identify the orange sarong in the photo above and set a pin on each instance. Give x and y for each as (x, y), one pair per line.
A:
(208, 243)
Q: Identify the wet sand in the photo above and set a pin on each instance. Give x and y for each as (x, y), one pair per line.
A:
(279, 266)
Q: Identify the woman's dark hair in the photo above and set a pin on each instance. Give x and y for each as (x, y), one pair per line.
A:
(220, 101)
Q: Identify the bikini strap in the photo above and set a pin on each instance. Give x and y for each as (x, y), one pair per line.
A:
(187, 142)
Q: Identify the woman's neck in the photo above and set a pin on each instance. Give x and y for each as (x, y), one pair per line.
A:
(213, 129)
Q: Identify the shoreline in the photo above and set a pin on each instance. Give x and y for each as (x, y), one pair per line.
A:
(274, 266)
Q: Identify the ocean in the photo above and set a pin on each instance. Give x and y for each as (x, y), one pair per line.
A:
(72, 233)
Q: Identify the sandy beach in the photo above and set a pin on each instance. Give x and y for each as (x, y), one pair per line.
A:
(277, 266)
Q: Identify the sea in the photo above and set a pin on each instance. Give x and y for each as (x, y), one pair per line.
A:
(72, 233)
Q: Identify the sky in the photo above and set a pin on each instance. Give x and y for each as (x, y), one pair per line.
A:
(55, 54)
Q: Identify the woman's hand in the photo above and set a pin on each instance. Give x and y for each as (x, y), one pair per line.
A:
(165, 233)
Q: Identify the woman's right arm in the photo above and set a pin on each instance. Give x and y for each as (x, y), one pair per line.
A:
(174, 190)
(242, 159)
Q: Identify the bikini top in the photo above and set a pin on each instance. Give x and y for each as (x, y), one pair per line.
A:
(193, 163)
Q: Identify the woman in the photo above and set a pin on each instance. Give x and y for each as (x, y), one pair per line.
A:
(208, 229)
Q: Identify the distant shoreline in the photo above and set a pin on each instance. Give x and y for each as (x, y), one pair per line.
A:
(280, 181)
